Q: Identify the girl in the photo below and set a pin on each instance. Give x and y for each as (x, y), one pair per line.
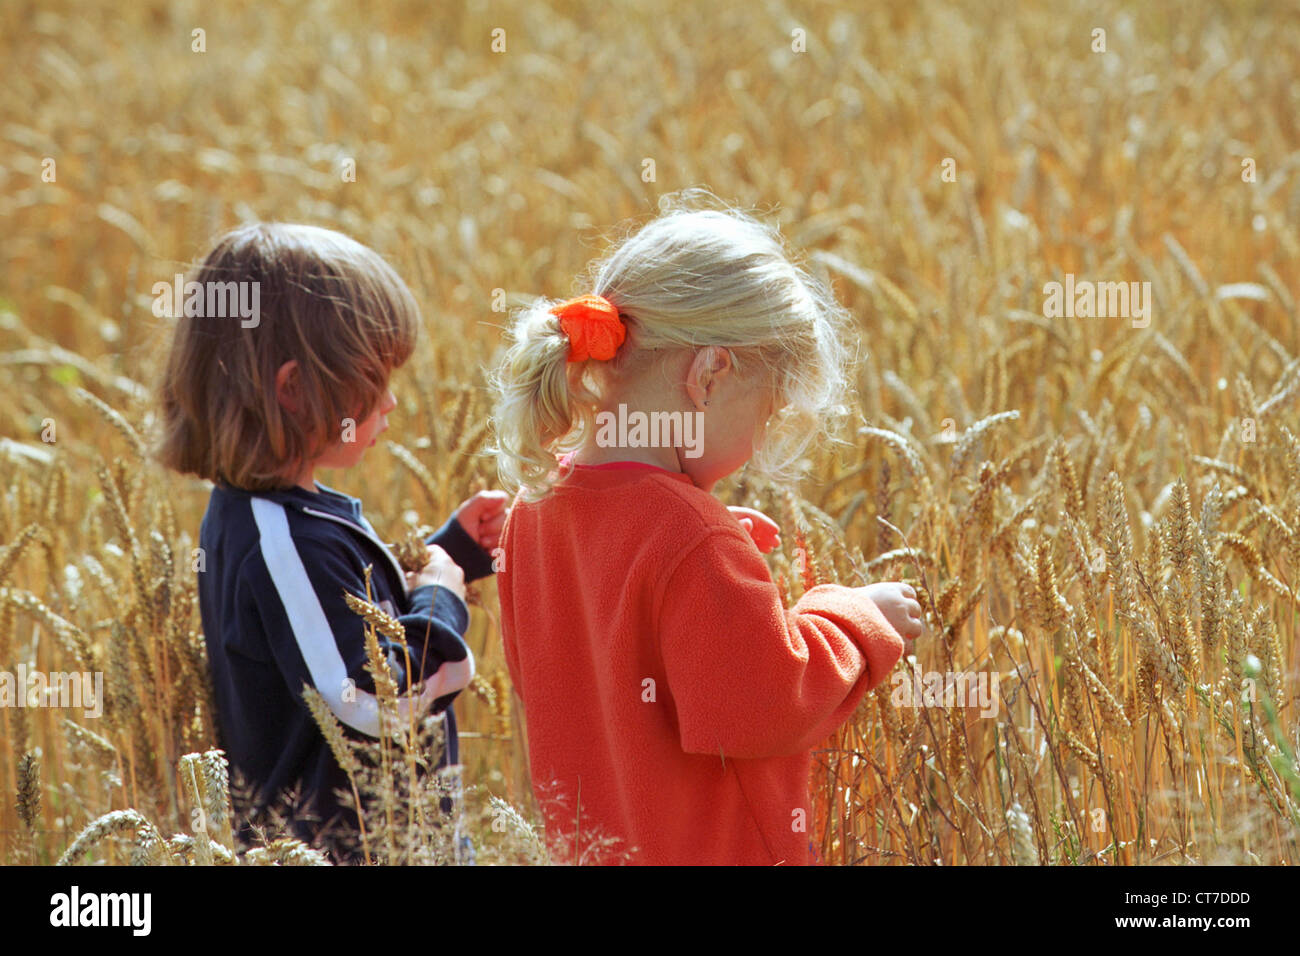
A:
(671, 701)
(257, 407)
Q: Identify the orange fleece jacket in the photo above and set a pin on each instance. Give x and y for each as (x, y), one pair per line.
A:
(671, 702)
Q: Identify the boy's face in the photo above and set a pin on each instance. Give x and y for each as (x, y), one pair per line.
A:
(357, 436)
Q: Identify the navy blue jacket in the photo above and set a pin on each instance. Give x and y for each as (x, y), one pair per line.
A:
(275, 566)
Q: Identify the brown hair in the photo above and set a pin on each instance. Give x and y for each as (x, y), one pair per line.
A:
(324, 300)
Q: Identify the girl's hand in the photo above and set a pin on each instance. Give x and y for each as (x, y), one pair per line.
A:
(483, 516)
(897, 601)
(439, 570)
(765, 533)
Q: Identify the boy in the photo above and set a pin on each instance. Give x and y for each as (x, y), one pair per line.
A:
(256, 408)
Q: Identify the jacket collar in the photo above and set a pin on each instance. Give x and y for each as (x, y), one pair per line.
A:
(327, 501)
(324, 499)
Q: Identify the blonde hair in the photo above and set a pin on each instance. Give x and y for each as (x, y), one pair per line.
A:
(699, 274)
(326, 301)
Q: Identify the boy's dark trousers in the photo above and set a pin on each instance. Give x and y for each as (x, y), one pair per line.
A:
(339, 836)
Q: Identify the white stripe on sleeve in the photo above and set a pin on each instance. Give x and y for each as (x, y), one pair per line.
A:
(311, 626)
(451, 676)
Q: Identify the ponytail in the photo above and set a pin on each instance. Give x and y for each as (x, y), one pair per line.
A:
(540, 402)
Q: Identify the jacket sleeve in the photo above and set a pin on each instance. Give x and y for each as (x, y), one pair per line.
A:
(749, 678)
(464, 550)
(316, 639)
(435, 625)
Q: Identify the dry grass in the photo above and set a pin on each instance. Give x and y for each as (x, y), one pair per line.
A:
(1124, 551)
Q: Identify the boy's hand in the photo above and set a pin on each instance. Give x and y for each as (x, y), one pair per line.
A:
(483, 516)
(765, 533)
(897, 601)
(440, 570)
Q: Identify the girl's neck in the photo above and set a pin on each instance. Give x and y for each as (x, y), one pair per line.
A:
(665, 457)
(590, 453)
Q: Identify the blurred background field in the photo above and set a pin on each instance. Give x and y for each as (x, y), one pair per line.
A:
(1123, 615)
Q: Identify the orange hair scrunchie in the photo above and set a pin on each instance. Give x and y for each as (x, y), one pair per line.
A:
(593, 326)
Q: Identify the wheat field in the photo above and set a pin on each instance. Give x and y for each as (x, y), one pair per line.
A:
(1102, 512)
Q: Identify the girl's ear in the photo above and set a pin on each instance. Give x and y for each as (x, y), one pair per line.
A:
(711, 365)
(286, 386)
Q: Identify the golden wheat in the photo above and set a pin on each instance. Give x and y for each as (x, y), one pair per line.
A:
(1106, 516)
